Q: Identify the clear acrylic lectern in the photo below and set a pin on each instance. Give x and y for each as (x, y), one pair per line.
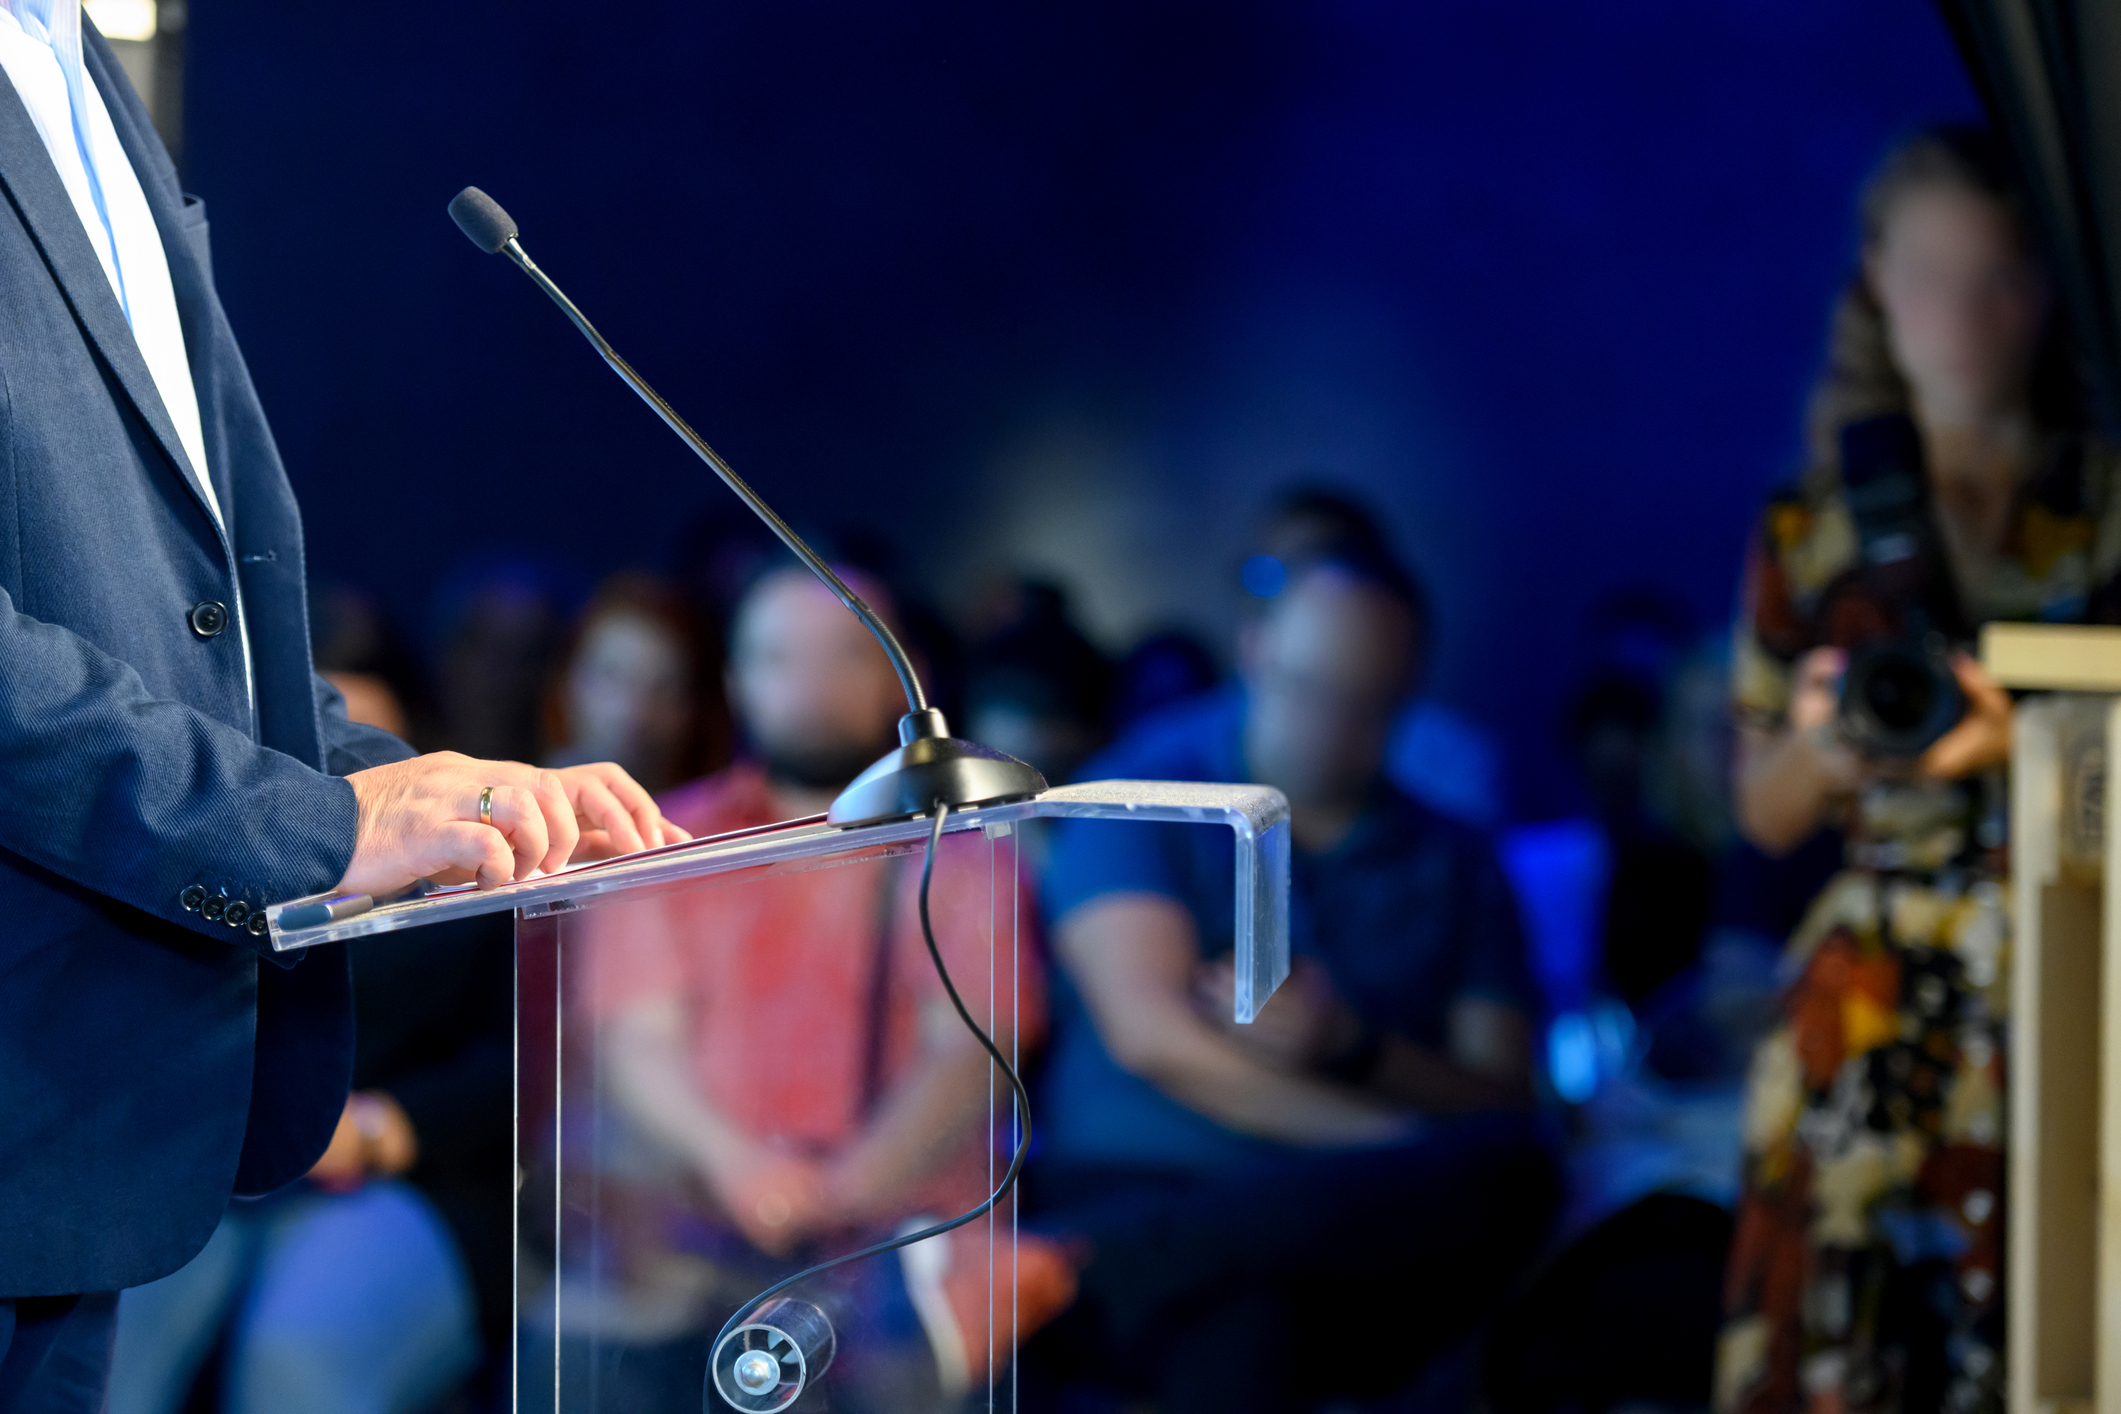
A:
(704, 1036)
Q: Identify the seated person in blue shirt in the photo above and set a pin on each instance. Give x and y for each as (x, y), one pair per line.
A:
(1307, 1207)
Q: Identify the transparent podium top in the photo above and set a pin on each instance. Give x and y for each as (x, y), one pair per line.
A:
(767, 1108)
(1256, 815)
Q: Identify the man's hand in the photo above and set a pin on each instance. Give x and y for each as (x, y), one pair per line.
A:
(1983, 737)
(615, 814)
(419, 819)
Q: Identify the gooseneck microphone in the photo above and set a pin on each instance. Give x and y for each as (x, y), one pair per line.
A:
(492, 230)
(931, 767)
(931, 773)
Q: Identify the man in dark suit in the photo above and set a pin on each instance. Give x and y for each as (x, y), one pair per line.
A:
(169, 762)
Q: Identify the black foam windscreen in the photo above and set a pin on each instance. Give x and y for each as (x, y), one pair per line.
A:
(480, 217)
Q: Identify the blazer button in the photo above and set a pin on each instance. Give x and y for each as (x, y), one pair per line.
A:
(258, 925)
(192, 897)
(212, 909)
(235, 914)
(209, 618)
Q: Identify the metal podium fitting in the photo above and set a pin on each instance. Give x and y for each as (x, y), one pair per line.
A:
(765, 1364)
(932, 766)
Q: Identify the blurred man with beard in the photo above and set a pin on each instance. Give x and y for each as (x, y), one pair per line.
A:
(785, 1045)
(1308, 1206)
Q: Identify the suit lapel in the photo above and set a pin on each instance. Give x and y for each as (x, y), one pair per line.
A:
(190, 281)
(27, 174)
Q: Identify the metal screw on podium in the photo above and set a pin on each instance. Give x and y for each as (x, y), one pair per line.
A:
(757, 1372)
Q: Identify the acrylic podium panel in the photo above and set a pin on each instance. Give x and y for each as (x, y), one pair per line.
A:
(700, 1029)
(796, 998)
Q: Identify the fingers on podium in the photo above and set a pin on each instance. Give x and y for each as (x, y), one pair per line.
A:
(638, 803)
(519, 815)
(642, 821)
(561, 831)
(480, 849)
(600, 806)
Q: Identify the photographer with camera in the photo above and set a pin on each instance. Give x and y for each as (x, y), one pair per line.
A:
(1953, 482)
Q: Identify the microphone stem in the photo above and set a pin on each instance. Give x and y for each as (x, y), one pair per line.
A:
(916, 699)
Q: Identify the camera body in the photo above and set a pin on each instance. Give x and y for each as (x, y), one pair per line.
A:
(1898, 697)
(1900, 693)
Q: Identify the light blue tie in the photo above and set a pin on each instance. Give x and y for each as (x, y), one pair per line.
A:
(58, 24)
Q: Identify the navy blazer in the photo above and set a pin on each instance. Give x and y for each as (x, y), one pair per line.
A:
(149, 1066)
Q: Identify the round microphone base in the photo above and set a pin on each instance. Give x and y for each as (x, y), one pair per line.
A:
(932, 767)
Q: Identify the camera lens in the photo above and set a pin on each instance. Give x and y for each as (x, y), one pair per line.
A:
(1898, 698)
(1900, 695)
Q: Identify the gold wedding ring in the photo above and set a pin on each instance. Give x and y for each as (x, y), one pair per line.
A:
(486, 806)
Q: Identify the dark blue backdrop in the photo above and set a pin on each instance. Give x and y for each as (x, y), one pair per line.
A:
(1065, 285)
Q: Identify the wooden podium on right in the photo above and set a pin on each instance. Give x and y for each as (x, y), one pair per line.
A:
(2063, 1228)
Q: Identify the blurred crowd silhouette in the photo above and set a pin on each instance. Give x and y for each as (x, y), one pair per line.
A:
(723, 683)
(1648, 1104)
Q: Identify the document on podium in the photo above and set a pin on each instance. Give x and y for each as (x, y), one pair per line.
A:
(1257, 816)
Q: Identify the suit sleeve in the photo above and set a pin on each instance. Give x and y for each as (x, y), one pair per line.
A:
(139, 798)
(350, 746)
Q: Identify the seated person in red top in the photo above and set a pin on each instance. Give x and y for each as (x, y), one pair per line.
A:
(785, 1045)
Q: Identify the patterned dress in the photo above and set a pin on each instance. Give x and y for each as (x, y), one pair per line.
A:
(1867, 1270)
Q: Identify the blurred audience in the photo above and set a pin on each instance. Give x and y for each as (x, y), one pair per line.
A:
(719, 552)
(631, 684)
(1162, 670)
(1200, 1186)
(1036, 688)
(1449, 762)
(498, 628)
(1650, 1016)
(1618, 897)
(376, 1283)
(1434, 754)
(358, 652)
(1657, 884)
(1623, 1319)
(1866, 1273)
(783, 1074)
(1358, 1159)
(1650, 769)
(344, 1293)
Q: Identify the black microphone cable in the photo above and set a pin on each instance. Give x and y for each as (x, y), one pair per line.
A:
(490, 228)
(1016, 1085)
